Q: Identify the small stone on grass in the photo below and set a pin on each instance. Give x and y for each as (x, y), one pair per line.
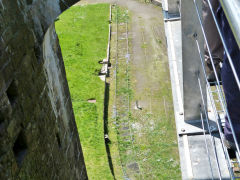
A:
(92, 100)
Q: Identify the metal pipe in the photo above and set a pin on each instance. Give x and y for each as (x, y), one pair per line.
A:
(232, 11)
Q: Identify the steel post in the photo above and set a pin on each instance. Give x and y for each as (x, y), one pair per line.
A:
(192, 68)
(173, 6)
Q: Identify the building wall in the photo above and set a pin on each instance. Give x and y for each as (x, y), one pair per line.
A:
(38, 134)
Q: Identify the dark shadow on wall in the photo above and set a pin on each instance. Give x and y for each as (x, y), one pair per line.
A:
(34, 96)
(106, 137)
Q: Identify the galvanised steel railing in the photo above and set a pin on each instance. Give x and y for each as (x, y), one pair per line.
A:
(198, 93)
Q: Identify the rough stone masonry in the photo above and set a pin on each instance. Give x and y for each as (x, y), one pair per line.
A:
(38, 134)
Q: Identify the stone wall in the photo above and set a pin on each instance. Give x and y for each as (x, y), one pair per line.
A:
(38, 134)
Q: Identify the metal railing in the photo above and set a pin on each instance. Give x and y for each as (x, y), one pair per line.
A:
(196, 87)
(198, 93)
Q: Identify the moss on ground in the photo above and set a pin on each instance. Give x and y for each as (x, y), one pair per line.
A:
(153, 145)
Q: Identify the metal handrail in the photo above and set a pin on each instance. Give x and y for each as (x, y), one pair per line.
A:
(220, 93)
(232, 11)
(194, 30)
(199, 99)
(215, 73)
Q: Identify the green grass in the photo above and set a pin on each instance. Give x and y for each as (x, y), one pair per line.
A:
(145, 1)
(83, 35)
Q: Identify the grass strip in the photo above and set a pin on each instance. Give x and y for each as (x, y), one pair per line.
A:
(83, 35)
